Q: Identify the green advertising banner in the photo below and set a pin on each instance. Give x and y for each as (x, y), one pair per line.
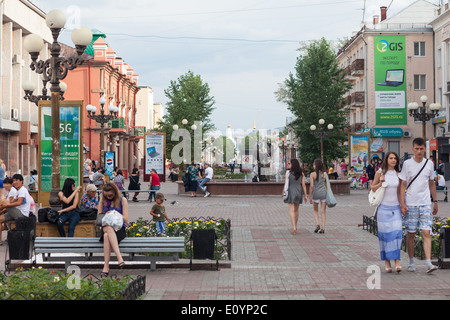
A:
(70, 142)
(390, 80)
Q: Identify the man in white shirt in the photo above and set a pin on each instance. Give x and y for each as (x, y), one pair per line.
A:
(209, 173)
(416, 205)
(20, 200)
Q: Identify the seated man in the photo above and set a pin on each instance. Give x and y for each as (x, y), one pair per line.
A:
(209, 173)
(18, 201)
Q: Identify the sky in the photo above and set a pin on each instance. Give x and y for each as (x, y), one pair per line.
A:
(243, 49)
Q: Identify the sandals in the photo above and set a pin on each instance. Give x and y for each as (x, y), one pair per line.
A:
(104, 275)
(317, 229)
(322, 231)
(122, 264)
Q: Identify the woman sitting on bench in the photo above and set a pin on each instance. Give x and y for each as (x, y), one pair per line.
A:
(69, 197)
(112, 200)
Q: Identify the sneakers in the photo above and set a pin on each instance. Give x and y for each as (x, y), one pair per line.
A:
(431, 268)
(207, 194)
(411, 268)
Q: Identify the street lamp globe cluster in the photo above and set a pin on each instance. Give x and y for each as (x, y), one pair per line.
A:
(102, 118)
(321, 133)
(421, 114)
(54, 70)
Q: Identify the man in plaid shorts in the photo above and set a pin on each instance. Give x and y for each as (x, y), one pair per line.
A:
(416, 206)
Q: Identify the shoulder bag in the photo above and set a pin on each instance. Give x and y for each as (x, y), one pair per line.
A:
(286, 186)
(409, 184)
(376, 197)
(331, 200)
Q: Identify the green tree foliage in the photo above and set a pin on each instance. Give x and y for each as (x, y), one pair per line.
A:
(316, 91)
(188, 98)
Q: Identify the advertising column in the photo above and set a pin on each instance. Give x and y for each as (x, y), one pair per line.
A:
(390, 80)
(71, 145)
(155, 146)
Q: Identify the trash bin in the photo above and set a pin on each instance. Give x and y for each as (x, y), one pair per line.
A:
(203, 245)
(21, 239)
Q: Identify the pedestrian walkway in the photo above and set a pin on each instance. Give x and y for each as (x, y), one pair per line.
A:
(268, 262)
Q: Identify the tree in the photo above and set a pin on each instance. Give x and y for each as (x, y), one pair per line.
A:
(316, 91)
(189, 98)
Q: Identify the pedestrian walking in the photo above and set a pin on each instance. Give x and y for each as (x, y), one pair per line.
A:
(134, 183)
(155, 185)
(318, 193)
(371, 172)
(159, 214)
(296, 191)
(417, 177)
(389, 215)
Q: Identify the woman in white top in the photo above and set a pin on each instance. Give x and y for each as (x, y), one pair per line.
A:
(389, 216)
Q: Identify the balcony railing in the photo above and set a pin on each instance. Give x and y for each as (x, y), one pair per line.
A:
(358, 99)
(357, 67)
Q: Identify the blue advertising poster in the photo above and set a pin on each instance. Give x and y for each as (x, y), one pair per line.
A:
(109, 163)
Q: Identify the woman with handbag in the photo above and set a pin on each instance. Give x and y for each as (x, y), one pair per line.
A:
(318, 193)
(296, 190)
(112, 202)
(389, 215)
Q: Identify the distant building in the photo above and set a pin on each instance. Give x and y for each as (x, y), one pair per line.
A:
(148, 115)
(19, 117)
(390, 63)
(104, 73)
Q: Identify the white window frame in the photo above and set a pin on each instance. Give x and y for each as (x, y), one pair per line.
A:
(417, 85)
(420, 49)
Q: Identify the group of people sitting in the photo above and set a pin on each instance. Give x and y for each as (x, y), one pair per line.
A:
(111, 199)
(17, 203)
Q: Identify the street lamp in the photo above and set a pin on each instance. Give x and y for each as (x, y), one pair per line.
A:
(102, 118)
(421, 114)
(321, 134)
(53, 70)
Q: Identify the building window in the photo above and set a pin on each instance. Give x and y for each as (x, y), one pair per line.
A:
(419, 49)
(439, 58)
(420, 82)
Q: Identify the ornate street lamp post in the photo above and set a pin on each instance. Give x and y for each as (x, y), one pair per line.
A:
(421, 114)
(102, 118)
(53, 70)
(321, 134)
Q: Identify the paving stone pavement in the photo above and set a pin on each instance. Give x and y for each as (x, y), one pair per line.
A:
(269, 263)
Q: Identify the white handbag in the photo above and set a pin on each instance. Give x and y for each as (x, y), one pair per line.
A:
(113, 219)
(286, 186)
(376, 197)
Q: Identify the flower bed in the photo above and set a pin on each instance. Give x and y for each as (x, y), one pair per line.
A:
(183, 227)
(370, 224)
(44, 284)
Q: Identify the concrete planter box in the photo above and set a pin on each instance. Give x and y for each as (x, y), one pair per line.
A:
(258, 188)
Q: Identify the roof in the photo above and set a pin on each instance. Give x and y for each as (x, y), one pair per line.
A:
(95, 35)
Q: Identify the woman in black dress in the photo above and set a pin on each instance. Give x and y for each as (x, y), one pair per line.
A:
(370, 170)
(134, 183)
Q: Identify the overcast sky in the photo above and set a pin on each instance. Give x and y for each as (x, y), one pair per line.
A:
(242, 49)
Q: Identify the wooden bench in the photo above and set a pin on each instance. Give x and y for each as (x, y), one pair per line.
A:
(84, 229)
(134, 247)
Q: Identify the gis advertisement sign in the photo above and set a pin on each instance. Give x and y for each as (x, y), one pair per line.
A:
(71, 143)
(390, 80)
(155, 146)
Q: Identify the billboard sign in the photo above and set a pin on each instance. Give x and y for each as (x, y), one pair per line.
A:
(390, 80)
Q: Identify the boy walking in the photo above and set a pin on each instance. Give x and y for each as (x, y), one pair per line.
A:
(417, 177)
(159, 214)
